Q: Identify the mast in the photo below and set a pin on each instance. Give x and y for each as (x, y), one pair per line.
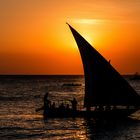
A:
(103, 84)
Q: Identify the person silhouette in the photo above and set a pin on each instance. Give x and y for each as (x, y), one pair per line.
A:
(74, 104)
(47, 102)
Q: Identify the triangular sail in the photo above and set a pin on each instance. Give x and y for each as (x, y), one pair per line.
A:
(103, 84)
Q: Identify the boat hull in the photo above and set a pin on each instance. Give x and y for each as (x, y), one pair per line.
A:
(112, 114)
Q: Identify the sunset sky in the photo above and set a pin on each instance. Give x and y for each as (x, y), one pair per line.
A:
(34, 37)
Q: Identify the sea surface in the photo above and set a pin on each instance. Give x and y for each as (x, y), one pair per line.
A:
(20, 96)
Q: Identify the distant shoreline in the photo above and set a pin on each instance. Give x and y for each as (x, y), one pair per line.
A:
(46, 76)
(37, 76)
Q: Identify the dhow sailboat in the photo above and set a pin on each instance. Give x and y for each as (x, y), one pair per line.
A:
(105, 89)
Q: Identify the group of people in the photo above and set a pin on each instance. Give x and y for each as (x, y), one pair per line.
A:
(50, 107)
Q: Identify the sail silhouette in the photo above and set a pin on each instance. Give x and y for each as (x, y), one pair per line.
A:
(103, 84)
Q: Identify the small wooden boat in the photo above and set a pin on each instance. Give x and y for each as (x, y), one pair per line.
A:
(72, 85)
(98, 114)
(136, 76)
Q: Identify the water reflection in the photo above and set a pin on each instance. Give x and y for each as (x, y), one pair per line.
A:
(91, 129)
(110, 130)
(18, 120)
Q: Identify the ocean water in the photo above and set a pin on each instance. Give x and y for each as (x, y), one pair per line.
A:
(21, 96)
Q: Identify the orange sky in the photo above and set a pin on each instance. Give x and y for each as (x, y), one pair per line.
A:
(34, 38)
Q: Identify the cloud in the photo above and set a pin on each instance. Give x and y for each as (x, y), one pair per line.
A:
(88, 21)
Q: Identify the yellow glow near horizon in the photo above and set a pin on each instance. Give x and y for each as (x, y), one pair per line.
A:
(87, 21)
